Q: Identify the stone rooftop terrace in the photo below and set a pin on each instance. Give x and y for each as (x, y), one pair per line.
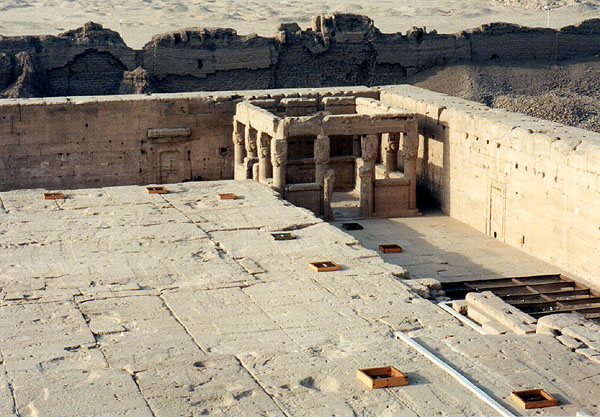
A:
(116, 302)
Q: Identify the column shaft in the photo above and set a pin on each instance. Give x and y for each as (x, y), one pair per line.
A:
(411, 147)
(279, 155)
(239, 149)
(265, 169)
(322, 154)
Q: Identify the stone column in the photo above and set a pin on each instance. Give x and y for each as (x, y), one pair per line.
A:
(356, 146)
(328, 183)
(367, 173)
(322, 156)
(265, 169)
(367, 191)
(279, 156)
(411, 148)
(250, 142)
(401, 152)
(239, 150)
(250, 159)
(391, 144)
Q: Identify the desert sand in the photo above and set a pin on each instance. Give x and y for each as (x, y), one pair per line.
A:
(139, 20)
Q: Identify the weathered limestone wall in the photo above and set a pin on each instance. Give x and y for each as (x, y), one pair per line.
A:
(121, 140)
(531, 183)
(93, 142)
(338, 50)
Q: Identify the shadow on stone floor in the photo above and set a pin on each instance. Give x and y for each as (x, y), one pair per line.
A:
(437, 246)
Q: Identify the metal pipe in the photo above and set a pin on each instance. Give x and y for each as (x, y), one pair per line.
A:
(444, 305)
(456, 375)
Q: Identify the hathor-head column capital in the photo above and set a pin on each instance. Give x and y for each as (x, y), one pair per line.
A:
(238, 133)
(279, 158)
(250, 141)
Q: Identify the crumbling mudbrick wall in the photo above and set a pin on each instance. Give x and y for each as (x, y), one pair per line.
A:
(338, 50)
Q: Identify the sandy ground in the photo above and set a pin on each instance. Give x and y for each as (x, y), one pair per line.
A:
(139, 20)
(566, 92)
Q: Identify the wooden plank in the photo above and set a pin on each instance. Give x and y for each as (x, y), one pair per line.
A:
(523, 297)
(539, 280)
(563, 301)
(551, 294)
(581, 310)
(587, 301)
(532, 304)
(485, 285)
(531, 289)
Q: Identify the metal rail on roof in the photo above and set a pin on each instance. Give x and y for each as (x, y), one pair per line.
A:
(481, 394)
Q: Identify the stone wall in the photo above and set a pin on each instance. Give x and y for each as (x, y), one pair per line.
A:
(530, 183)
(94, 142)
(338, 50)
(130, 139)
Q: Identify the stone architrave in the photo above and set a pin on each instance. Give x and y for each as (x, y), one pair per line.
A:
(411, 148)
(322, 154)
(279, 158)
(239, 149)
(264, 157)
(391, 145)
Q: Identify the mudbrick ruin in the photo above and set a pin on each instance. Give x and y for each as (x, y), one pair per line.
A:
(293, 226)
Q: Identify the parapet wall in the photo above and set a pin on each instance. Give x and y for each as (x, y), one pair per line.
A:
(338, 50)
(531, 183)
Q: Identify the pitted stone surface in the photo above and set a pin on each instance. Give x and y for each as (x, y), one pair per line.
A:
(92, 393)
(210, 385)
(117, 302)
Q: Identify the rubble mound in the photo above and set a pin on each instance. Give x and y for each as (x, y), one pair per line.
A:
(199, 37)
(541, 4)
